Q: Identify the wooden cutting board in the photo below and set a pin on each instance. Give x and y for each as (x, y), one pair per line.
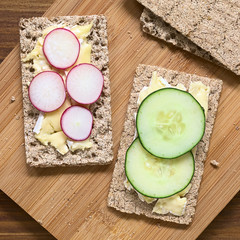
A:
(71, 202)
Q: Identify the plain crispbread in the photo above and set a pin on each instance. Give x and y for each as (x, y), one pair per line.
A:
(127, 201)
(101, 151)
(212, 25)
(156, 27)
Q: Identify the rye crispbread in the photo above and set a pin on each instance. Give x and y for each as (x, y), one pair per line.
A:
(101, 136)
(212, 25)
(155, 26)
(127, 201)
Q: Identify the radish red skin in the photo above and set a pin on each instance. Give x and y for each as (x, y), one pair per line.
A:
(62, 119)
(44, 52)
(67, 80)
(30, 94)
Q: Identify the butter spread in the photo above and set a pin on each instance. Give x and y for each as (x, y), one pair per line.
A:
(201, 93)
(146, 199)
(84, 56)
(40, 63)
(73, 145)
(47, 129)
(127, 185)
(155, 84)
(82, 31)
(51, 131)
(175, 204)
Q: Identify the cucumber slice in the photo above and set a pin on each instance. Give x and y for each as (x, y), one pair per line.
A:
(155, 177)
(170, 122)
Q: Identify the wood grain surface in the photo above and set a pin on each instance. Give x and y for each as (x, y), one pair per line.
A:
(16, 224)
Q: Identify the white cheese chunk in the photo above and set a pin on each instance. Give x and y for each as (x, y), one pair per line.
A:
(38, 124)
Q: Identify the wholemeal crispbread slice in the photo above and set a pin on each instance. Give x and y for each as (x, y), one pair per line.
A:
(101, 136)
(212, 25)
(155, 26)
(127, 201)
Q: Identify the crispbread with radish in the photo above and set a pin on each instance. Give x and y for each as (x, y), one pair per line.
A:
(31, 32)
(128, 200)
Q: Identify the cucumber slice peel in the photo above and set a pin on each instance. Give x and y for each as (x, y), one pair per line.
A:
(154, 177)
(170, 122)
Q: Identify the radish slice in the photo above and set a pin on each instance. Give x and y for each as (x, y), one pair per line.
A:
(76, 123)
(61, 48)
(84, 83)
(47, 92)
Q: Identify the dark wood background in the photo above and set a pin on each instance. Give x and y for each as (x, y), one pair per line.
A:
(14, 222)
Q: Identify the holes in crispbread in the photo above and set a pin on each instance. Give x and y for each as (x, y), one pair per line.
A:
(33, 144)
(31, 69)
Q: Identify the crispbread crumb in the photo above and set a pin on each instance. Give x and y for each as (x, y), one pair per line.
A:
(13, 99)
(125, 201)
(129, 34)
(101, 152)
(40, 221)
(214, 163)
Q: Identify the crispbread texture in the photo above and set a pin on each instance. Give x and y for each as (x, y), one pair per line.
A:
(212, 25)
(101, 136)
(155, 26)
(127, 201)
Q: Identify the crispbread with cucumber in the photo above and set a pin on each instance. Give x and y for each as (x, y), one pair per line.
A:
(66, 91)
(164, 144)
